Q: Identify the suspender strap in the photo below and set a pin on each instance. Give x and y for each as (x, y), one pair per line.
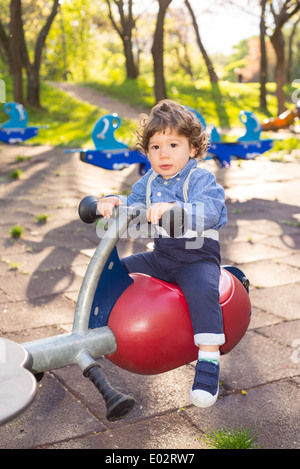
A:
(208, 233)
(148, 188)
(153, 176)
(186, 185)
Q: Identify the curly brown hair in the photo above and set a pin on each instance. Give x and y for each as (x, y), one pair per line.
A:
(169, 115)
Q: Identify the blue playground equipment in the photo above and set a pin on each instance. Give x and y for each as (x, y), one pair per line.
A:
(246, 147)
(109, 153)
(15, 130)
(253, 126)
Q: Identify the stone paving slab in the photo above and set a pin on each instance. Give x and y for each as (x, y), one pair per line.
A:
(242, 252)
(270, 273)
(272, 410)
(287, 333)
(42, 311)
(282, 301)
(40, 276)
(169, 431)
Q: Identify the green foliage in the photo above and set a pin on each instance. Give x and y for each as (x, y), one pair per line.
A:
(239, 51)
(288, 144)
(41, 218)
(16, 231)
(16, 174)
(81, 41)
(229, 69)
(219, 103)
(295, 68)
(236, 60)
(139, 92)
(228, 438)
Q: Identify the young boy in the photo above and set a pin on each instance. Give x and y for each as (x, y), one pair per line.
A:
(172, 138)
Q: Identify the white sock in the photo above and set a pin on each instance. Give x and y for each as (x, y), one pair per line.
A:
(209, 356)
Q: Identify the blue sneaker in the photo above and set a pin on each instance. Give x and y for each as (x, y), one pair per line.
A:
(204, 392)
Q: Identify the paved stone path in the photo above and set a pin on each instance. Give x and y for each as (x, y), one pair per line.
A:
(41, 273)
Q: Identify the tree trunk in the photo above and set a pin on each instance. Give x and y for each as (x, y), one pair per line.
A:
(4, 41)
(263, 57)
(278, 44)
(124, 29)
(33, 69)
(288, 9)
(15, 42)
(131, 67)
(210, 68)
(290, 52)
(157, 51)
(33, 87)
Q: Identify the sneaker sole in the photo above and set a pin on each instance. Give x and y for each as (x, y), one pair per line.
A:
(202, 398)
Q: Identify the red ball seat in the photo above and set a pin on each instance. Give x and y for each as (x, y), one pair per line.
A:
(152, 325)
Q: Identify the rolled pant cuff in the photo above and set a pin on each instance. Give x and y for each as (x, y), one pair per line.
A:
(209, 339)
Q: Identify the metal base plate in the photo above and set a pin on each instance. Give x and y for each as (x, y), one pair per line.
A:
(17, 385)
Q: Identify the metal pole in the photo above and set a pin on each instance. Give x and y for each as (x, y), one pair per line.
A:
(94, 271)
(65, 349)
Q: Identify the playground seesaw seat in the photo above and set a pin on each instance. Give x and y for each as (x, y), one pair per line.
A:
(247, 147)
(109, 153)
(120, 317)
(16, 130)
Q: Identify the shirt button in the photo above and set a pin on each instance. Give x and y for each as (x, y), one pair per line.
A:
(165, 183)
(159, 194)
(177, 179)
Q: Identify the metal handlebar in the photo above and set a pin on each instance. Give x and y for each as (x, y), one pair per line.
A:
(172, 221)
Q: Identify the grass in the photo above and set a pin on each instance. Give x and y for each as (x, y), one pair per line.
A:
(21, 158)
(16, 231)
(228, 438)
(219, 103)
(16, 174)
(290, 223)
(14, 266)
(69, 121)
(42, 218)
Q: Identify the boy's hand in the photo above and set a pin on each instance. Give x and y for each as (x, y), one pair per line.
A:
(155, 212)
(105, 206)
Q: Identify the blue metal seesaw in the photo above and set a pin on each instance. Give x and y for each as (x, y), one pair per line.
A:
(246, 147)
(109, 153)
(112, 154)
(16, 130)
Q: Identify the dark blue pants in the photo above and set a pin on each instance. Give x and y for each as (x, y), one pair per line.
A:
(197, 272)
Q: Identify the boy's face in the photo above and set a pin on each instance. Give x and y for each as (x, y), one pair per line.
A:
(169, 152)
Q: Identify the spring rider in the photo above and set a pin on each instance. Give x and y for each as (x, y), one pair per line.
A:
(16, 130)
(246, 147)
(110, 153)
(283, 121)
(121, 317)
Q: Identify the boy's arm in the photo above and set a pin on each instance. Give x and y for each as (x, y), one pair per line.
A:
(206, 202)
